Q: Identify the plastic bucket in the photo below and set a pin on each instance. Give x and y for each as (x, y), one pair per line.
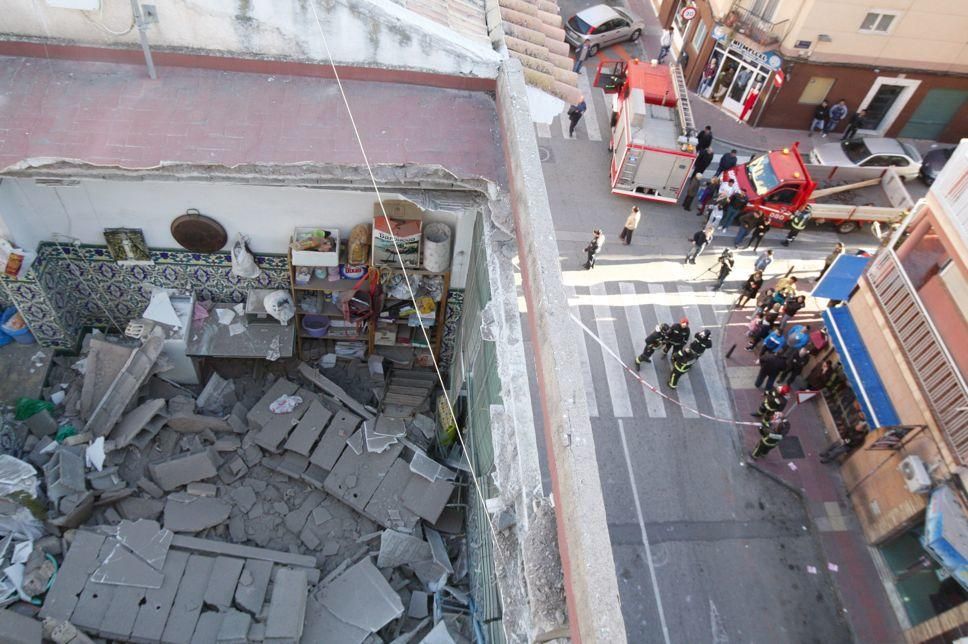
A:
(315, 326)
(23, 336)
(436, 247)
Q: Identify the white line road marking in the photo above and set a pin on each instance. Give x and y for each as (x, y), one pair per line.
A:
(614, 371)
(591, 117)
(586, 370)
(716, 625)
(637, 330)
(544, 130)
(645, 535)
(718, 394)
(564, 122)
(684, 392)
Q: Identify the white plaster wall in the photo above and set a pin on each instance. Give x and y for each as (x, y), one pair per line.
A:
(370, 33)
(33, 213)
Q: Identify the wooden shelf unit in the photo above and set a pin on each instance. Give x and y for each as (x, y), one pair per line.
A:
(435, 332)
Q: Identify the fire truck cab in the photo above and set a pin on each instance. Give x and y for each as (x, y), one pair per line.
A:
(776, 183)
(653, 137)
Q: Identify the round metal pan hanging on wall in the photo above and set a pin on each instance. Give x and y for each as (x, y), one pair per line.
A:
(198, 233)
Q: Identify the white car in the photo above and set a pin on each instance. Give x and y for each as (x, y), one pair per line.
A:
(602, 25)
(869, 152)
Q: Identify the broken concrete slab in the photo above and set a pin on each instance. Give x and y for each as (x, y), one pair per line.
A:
(425, 424)
(243, 552)
(259, 415)
(122, 568)
(207, 628)
(250, 593)
(333, 441)
(104, 362)
(188, 513)
(361, 596)
(119, 618)
(150, 487)
(376, 443)
(386, 426)
(133, 509)
(218, 394)
(228, 443)
(355, 477)
(296, 519)
(430, 469)
(196, 423)
(321, 515)
(438, 549)
(291, 464)
(398, 549)
(287, 607)
(439, 634)
(202, 489)
(244, 497)
(187, 606)
(233, 469)
(418, 605)
(222, 583)
(19, 629)
(235, 628)
(136, 370)
(386, 505)
(323, 626)
(78, 564)
(335, 390)
(172, 474)
(153, 613)
(427, 499)
(146, 539)
(309, 429)
(275, 431)
(136, 421)
(64, 473)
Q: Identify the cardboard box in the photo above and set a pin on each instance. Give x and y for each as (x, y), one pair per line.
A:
(315, 257)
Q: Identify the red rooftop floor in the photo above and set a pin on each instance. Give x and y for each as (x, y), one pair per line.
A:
(113, 114)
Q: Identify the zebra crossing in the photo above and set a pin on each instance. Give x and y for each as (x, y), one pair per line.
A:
(616, 314)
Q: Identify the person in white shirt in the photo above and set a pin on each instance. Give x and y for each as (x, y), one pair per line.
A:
(665, 43)
(631, 223)
(727, 189)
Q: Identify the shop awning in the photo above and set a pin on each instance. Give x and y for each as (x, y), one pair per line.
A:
(946, 533)
(860, 368)
(841, 278)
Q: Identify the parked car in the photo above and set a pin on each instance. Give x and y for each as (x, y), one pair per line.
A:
(933, 162)
(869, 152)
(601, 26)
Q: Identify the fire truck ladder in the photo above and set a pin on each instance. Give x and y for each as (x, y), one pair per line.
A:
(685, 110)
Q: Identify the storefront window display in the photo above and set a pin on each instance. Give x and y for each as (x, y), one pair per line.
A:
(734, 77)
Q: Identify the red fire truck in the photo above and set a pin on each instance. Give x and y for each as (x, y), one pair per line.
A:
(653, 135)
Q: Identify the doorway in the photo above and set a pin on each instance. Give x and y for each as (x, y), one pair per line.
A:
(934, 113)
(884, 102)
(746, 78)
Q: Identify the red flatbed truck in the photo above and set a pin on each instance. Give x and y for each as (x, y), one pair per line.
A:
(653, 137)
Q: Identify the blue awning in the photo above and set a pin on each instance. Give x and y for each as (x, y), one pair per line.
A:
(946, 533)
(860, 368)
(841, 278)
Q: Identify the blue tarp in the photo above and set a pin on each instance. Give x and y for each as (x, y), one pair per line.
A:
(841, 278)
(860, 368)
(946, 533)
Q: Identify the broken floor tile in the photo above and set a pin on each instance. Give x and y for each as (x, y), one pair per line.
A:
(187, 513)
(362, 597)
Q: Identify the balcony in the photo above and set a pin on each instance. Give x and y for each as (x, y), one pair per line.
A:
(753, 26)
(935, 369)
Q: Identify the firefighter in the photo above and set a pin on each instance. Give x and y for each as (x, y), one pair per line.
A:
(771, 433)
(682, 361)
(652, 342)
(701, 342)
(797, 223)
(677, 337)
(774, 401)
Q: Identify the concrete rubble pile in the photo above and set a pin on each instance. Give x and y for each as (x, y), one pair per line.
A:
(268, 507)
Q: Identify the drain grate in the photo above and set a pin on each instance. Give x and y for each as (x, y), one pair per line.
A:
(791, 448)
(545, 154)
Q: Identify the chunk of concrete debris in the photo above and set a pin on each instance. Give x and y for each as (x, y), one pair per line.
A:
(321, 515)
(149, 487)
(187, 513)
(234, 469)
(202, 489)
(65, 474)
(244, 497)
(250, 593)
(439, 634)
(334, 390)
(122, 568)
(126, 384)
(217, 395)
(179, 471)
(287, 608)
(418, 605)
(228, 443)
(427, 499)
(147, 540)
(133, 509)
(397, 549)
(19, 629)
(425, 424)
(196, 423)
(259, 415)
(362, 597)
(296, 519)
(136, 422)
(222, 583)
(63, 632)
(104, 362)
(235, 628)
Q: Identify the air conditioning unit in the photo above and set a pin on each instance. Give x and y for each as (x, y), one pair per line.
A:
(916, 475)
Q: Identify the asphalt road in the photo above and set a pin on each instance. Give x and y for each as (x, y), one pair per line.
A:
(705, 548)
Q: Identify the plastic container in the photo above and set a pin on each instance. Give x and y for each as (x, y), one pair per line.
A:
(21, 336)
(436, 247)
(315, 326)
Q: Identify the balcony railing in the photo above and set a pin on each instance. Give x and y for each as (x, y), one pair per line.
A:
(753, 26)
(936, 371)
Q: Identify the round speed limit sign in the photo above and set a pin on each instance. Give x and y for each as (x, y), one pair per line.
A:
(688, 13)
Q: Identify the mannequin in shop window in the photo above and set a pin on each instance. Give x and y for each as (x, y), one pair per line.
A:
(708, 76)
(749, 103)
(725, 79)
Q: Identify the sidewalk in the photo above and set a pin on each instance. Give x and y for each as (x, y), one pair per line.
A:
(795, 464)
(727, 130)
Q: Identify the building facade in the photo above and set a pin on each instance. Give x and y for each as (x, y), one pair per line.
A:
(906, 64)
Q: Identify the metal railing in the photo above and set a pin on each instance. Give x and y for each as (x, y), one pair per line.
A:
(935, 369)
(753, 26)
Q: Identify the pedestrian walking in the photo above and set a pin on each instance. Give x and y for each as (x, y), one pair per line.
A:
(665, 43)
(593, 248)
(701, 342)
(774, 401)
(699, 241)
(791, 306)
(631, 223)
(795, 361)
(695, 183)
(726, 263)
(758, 233)
(677, 337)
(797, 223)
(837, 114)
(770, 367)
(704, 157)
(820, 115)
(747, 222)
(652, 342)
(854, 438)
(750, 289)
(736, 204)
(575, 112)
(707, 193)
(581, 55)
(771, 433)
(854, 124)
(726, 162)
(765, 259)
(682, 362)
(705, 139)
(834, 254)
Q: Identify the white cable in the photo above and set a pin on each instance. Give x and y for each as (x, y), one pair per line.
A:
(100, 15)
(406, 275)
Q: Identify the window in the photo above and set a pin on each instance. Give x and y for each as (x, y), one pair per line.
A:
(816, 90)
(699, 36)
(677, 20)
(878, 22)
(785, 196)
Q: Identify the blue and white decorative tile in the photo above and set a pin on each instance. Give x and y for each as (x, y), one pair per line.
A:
(455, 305)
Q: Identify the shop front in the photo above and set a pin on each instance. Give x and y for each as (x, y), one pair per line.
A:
(735, 76)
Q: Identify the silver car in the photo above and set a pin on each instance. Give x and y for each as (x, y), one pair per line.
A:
(601, 26)
(870, 152)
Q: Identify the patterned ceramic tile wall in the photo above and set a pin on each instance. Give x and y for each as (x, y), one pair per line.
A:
(455, 305)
